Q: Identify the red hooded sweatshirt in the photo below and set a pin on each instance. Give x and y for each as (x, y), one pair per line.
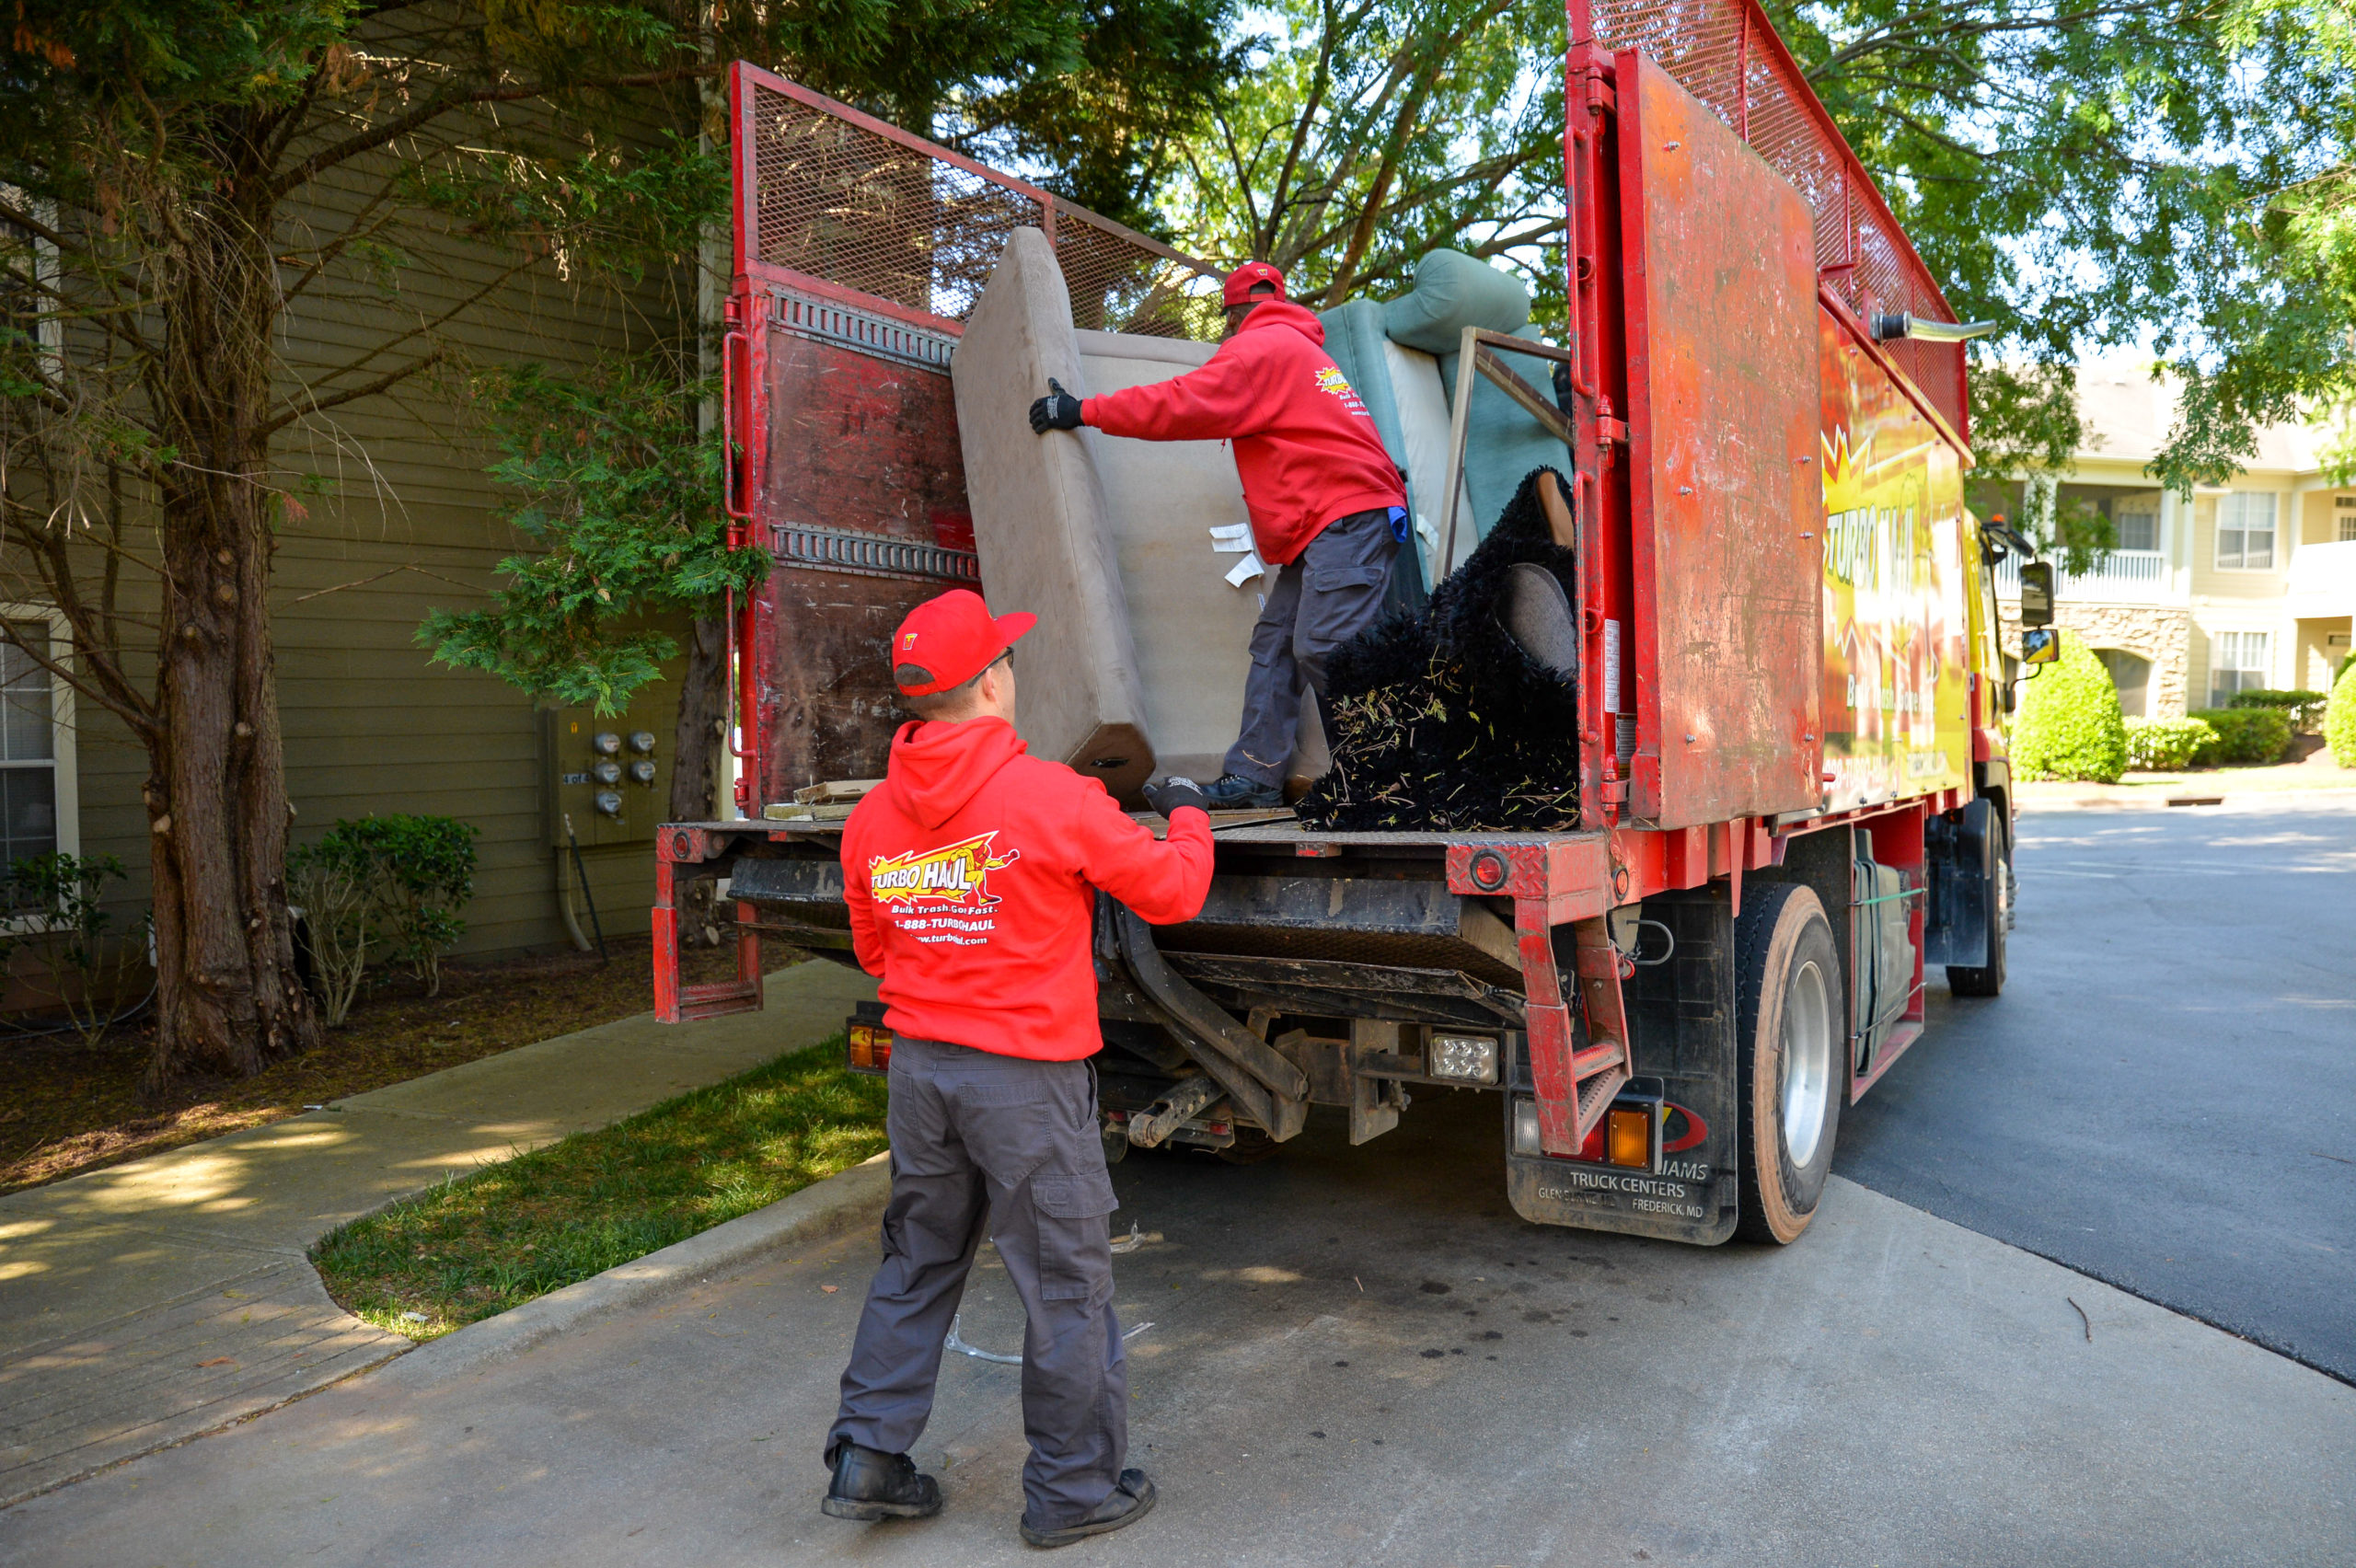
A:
(969, 877)
(1305, 446)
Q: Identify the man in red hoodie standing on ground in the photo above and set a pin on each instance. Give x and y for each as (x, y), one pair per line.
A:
(1328, 508)
(971, 876)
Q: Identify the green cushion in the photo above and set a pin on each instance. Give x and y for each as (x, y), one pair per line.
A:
(1454, 291)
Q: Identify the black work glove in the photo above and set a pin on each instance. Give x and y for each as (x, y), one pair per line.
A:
(1172, 795)
(1057, 411)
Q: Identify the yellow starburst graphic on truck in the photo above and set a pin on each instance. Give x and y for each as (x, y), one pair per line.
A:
(955, 874)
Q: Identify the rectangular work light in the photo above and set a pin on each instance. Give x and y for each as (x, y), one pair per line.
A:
(1467, 1058)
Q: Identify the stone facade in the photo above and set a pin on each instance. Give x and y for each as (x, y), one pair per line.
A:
(2158, 633)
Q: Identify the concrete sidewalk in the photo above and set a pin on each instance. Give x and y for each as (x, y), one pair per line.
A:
(153, 1300)
(1344, 1356)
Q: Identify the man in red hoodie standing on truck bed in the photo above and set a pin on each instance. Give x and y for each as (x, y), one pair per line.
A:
(1328, 508)
(971, 876)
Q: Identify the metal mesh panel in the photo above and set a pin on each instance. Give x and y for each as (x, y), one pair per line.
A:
(1118, 285)
(838, 201)
(1714, 49)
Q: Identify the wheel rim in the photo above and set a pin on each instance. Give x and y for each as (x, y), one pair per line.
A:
(1807, 1062)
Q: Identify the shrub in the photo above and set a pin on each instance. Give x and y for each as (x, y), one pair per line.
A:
(2070, 726)
(2339, 719)
(429, 876)
(395, 882)
(2162, 746)
(337, 885)
(2304, 708)
(55, 903)
(2245, 736)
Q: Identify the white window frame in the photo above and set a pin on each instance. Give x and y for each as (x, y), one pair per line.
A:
(2273, 536)
(2343, 509)
(65, 761)
(2265, 670)
(2117, 513)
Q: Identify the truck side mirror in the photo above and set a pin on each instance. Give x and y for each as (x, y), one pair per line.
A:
(2040, 645)
(2036, 593)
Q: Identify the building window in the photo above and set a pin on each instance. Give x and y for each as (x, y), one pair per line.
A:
(2245, 531)
(2345, 508)
(37, 793)
(2136, 520)
(2238, 661)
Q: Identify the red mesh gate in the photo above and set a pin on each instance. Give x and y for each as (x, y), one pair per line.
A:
(1726, 54)
(833, 199)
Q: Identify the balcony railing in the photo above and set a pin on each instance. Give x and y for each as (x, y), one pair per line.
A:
(2131, 576)
(2321, 582)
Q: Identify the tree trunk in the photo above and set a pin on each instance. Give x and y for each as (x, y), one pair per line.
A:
(228, 998)
(695, 754)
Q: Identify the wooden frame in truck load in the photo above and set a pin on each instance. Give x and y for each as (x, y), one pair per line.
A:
(1794, 795)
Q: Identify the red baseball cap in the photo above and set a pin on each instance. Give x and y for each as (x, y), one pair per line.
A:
(1240, 283)
(947, 641)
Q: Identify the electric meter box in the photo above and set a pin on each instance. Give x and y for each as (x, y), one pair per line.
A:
(611, 773)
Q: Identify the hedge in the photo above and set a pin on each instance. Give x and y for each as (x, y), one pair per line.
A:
(2305, 708)
(2070, 726)
(2339, 719)
(2247, 736)
(2164, 746)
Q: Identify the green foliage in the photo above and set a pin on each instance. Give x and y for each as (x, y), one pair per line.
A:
(2088, 175)
(2245, 736)
(473, 1247)
(2164, 746)
(336, 885)
(2268, 339)
(624, 496)
(2104, 175)
(428, 876)
(55, 904)
(1366, 135)
(1101, 109)
(2339, 719)
(2069, 725)
(396, 881)
(2304, 709)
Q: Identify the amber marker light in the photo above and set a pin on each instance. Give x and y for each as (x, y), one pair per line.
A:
(1628, 1138)
(868, 1048)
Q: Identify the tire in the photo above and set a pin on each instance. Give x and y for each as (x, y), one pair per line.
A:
(1251, 1147)
(1988, 980)
(1793, 1059)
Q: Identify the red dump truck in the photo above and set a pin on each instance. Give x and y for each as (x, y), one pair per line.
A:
(1794, 798)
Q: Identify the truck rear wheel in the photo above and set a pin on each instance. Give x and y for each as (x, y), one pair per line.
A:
(1794, 1070)
(1251, 1147)
(1988, 980)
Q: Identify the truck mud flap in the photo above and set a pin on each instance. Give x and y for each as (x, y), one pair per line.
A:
(1262, 1084)
(1682, 1022)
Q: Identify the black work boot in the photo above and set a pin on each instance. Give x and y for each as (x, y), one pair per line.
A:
(1235, 792)
(1127, 1504)
(871, 1485)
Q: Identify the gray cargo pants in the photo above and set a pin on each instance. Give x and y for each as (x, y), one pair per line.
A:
(978, 1137)
(1331, 592)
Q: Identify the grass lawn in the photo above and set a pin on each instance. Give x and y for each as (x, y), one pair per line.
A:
(478, 1245)
(66, 1108)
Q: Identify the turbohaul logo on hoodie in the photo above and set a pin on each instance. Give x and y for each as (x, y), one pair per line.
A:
(956, 875)
(1331, 381)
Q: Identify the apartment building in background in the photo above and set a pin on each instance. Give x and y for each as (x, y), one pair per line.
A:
(2248, 584)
